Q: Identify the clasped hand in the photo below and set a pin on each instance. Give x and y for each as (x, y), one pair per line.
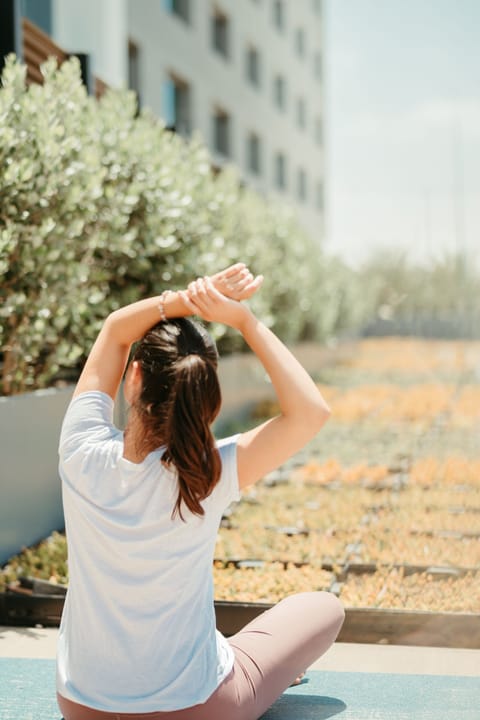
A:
(236, 282)
(217, 298)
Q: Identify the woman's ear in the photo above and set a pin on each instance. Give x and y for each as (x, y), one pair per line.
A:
(132, 386)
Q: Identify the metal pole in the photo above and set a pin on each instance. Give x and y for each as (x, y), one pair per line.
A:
(458, 196)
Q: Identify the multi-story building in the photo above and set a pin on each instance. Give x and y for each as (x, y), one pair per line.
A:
(246, 74)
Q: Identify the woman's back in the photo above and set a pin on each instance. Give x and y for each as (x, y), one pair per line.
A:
(143, 509)
(140, 603)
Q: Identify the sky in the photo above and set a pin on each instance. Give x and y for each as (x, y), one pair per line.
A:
(402, 127)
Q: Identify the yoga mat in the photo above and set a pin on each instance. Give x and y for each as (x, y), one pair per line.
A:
(27, 692)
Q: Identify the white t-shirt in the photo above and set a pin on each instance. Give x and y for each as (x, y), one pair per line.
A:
(138, 628)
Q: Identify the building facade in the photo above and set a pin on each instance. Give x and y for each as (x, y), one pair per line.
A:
(246, 74)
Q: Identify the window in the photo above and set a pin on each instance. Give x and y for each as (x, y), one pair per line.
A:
(221, 132)
(177, 105)
(254, 159)
(279, 15)
(39, 12)
(280, 92)
(253, 66)
(280, 171)
(317, 65)
(180, 8)
(300, 42)
(134, 68)
(319, 196)
(220, 33)
(301, 113)
(318, 130)
(302, 185)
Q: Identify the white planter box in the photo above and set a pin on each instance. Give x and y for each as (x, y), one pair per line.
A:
(30, 491)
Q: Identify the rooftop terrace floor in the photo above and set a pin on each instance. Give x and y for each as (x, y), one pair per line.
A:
(353, 681)
(16, 642)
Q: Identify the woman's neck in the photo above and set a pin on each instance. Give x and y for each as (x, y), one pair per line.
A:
(136, 445)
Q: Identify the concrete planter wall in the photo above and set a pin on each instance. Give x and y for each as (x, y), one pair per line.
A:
(31, 503)
(30, 493)
(362, 625)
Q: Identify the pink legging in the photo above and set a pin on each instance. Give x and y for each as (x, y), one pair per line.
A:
(270, 652)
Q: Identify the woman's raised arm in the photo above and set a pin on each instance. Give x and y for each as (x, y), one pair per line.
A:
(108, 357)
(303, 410)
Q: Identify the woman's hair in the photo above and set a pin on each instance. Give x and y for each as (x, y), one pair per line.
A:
(180, 398)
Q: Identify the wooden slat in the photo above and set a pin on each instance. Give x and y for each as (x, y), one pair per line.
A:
(33, 57)
(36, 39)
(37, 48)
(100, 87)
(34, 75)
(403, 627)
(367, 625)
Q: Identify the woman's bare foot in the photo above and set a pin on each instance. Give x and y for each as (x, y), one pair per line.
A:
(298, 680)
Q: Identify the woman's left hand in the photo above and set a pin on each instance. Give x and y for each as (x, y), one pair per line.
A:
(236, 282)
(204, 300)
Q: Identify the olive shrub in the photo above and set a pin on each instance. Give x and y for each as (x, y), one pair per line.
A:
(100, 206)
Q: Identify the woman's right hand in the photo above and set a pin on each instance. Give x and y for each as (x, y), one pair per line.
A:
(204, 300)
(237, 282)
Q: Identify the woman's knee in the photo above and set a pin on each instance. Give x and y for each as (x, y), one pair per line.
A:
(328, 611)
(335, 608)
(322, 604)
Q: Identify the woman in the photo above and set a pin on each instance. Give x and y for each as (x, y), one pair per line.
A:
(143, 507)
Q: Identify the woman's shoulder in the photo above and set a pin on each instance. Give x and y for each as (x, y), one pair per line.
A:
(89, 416)
(227, 442)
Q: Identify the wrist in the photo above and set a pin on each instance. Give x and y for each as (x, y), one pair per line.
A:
(171, 304)
(246, 320)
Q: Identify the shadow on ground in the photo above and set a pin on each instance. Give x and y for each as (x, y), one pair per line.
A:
(304, 707)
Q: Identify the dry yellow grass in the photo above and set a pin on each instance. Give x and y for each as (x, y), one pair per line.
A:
(416, 508)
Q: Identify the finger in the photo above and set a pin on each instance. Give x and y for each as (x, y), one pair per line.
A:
(194, 287)
(229, 274)
(195, 294)
(202, 287)
(188, 302)
(201, 298)
(197, 286)
(197, 302)
(245, 281)
(233, 270)
(212, 291)
(253, 287)
(242, 280)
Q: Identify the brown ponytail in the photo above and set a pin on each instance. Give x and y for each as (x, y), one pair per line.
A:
(180, 399)
(190, 445)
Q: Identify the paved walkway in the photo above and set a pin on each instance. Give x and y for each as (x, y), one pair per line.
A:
(342, 657)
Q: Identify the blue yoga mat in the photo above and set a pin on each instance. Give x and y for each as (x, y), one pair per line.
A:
(27, 692)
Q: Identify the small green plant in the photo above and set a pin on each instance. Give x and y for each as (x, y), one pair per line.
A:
(47, 561)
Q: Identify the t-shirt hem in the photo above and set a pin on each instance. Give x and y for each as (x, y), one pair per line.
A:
(137, 708)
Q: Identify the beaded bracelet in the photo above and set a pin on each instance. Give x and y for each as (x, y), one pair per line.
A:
(161, 304)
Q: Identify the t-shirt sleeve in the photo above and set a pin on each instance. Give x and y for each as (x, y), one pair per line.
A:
(88, 421)
(227, 490)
